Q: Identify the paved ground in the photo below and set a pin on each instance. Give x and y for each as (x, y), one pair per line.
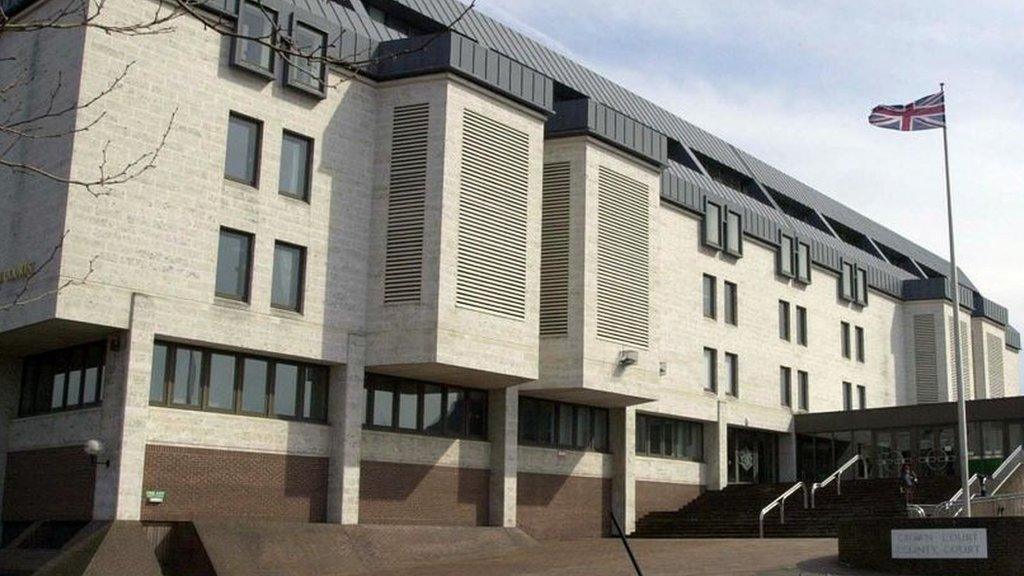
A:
(785, 557)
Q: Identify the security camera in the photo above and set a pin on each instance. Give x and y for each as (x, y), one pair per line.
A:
(628, 358)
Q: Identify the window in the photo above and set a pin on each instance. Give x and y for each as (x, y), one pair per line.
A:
(64, 379)
(220, 381)
(862, 287)
(731, 310)
(784, 330)
(860, 344)
(785, 256)
(561, 425)
(862, 398)
(234, 261)
(257, 32)
(242, 161)
(289, 276)
(711, 369)
(846, 339)
(846, 282)
(803, 389)
(669, 437)
(803, 262)
(786, 385)
(307, 73)
(712, 225)
(710, 297)
(801, 325)
(296, 166)
(733, 233)
(400, 404)
(847, 396)
(732, 375)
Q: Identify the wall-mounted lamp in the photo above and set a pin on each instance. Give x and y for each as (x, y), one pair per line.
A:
(628, 358)
(94, 448)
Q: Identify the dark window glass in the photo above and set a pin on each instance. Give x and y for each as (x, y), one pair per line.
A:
(75, 378)
(786, 386)
(221, 392)
(254, 386)
(860, 344)
(314, 394)
(713, 225)
(710, 370)
(801, 325)
(847, 396)
(846, 282)
(784, 320)
(710, 297)
(584, 428)
(846, 339)
(476, 426)
(289, 262)
(455, 415)
(57, 385)
(433, 409)
(308, 72)
(257, 27)
(565, 424)
(669, 437)
(733, 233)
(188, 377)
(803, 383)
(731, 311)
(558, 424)
(383, 407)
(286, 389)
(862, 398)
(242, 162)
(296, 161)
(234, 256)
(158, 376)
(408, 405)
(92, 374)
(732, 374)
(786, 256)
(536, 421)
(862, 286)
(600, 429)
(803, 262)
(29, 381)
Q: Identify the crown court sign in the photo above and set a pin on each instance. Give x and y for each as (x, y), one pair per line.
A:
(17, 272)
(970, 543)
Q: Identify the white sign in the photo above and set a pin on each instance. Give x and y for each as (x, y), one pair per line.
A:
(940, 543)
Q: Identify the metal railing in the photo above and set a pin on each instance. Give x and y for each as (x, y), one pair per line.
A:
(1012, 463)
(780, 503)
(629, 550)
(836, 476)
(955, 501)
(981, 500)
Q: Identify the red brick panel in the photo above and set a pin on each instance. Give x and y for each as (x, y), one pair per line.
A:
(564, 507)
(51, 484)
(416, 494)
(663, 496)
(220, 484)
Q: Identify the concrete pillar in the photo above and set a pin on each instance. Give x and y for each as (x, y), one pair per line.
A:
(10, 388)
(125, 415)
(787, 457)
(623, 445)
(716, 449)
(347, 404)
(503, 418)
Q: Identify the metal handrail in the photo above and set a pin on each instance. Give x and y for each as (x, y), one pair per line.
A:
(629, 550)
(780, 502)
(956, 499)
(837, 475)
(1014, 460)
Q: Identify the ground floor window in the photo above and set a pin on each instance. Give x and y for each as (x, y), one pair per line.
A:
(562, 425)
(403, 405)
(671, 437)
(218, 381)
(64, 379)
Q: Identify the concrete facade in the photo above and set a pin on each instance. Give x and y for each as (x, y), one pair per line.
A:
(142, 264)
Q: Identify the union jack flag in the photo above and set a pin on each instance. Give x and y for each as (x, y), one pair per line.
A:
(924, 114)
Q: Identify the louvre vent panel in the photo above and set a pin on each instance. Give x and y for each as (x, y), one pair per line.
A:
(994, 349)
(554, 252)
(926, 371)
(407, 191)
(493, 210)
(965, 360)
(623, 259)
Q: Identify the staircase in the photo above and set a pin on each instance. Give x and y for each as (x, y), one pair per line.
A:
(733, 512)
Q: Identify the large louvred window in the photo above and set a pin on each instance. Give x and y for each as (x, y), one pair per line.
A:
(554, 252)
(403, 268)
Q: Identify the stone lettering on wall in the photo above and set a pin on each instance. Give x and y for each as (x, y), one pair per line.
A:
(18, 272)
(940, 543)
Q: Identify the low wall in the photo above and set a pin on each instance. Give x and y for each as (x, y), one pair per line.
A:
(867, 543)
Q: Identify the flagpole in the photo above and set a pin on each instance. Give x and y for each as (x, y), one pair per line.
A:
(954, 275)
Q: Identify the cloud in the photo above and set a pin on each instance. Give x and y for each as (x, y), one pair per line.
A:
(792, 83)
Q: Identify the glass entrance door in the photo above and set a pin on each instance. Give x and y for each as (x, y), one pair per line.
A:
(752, 457)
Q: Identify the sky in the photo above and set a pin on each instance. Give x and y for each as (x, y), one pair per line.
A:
(792, 83)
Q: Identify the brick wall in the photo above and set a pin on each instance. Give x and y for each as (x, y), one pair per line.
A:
(392, 493)
(49, 484)
(663, 496)
(206, 484)
(564, 507)
(867, 543)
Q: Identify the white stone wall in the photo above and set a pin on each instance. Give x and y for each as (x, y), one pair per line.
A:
(670, 471)
(1012, 366)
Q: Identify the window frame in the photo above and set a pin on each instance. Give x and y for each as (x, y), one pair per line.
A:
(310, 150)
(730, 216)
(859, 340)
(239, 358)
(803, 386)
(846, 344)
(862, 397)
(28, 393)
(860, 286)
(289, 76)
(784, 255)
(238, 41)
(258, 156)
(707, 223)
(847, 279)
(709, 296)
(801, 326)
(574, 443)
(643, 425)
(847, 396)
(710, 371)
(732, 370)
(247, 296)
(301, 297)
(803, 262)
(375, 381)
(730, 303)
(785, 321)
(786, 386)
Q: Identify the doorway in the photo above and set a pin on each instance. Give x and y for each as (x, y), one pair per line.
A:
(753, 456)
